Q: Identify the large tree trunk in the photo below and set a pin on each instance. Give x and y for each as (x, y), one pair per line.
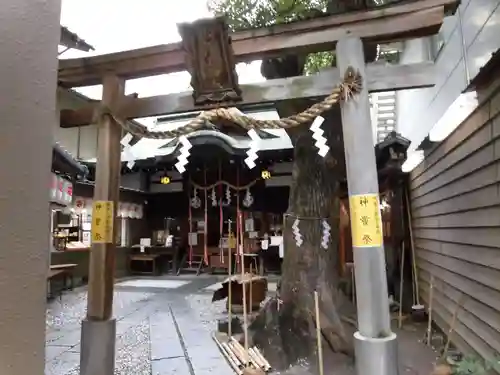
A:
(286, 332)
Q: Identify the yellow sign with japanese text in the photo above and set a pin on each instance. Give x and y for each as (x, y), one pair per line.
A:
(366, 221)
(103, 220)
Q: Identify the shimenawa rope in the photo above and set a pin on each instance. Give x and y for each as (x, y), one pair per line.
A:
(350, 85)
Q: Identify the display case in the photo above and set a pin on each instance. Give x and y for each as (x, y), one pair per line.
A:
(64, 234)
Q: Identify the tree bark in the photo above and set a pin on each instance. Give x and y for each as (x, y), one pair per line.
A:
(286, 332)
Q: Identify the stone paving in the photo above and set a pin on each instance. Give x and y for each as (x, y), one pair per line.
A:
(164, 326)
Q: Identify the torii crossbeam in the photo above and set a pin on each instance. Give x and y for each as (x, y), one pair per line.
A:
(392, 23)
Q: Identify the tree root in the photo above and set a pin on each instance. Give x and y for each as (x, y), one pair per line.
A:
(287, 335)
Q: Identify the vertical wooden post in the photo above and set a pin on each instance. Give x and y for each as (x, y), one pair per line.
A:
(107, 188)
(99, 330)
(375, 343)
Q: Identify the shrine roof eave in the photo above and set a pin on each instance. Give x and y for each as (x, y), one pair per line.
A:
(71, 40)
(64, 162)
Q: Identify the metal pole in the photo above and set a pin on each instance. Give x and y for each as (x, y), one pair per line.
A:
(375, 343)
(97, 355)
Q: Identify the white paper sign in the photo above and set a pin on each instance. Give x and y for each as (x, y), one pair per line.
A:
(224, 243)
(169, 240)
(200, 226)
(276, 240)
(193, 239)
(145, 242)
(264, 244)
(249, 225)
(86, 238)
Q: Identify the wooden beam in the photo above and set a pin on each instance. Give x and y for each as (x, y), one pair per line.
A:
(398, 22)
(381, 77)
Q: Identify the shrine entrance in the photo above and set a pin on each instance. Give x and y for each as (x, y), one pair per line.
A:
(330, 114)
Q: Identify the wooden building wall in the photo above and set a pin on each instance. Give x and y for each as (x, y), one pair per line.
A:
(455, 205)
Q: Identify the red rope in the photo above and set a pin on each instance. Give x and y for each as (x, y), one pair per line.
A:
(190, 221)
(240, 230)
(205, 248)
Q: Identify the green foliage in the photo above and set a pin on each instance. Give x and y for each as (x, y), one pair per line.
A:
(249, 14)
(472, 365)
(317, 61)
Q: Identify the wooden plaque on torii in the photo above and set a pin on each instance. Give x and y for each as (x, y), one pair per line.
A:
(210, 61)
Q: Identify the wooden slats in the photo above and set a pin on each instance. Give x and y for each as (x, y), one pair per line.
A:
(490, 317)
(486, 217)
(468, 327)
(474, 122)
(470, 236)
(486, 256)
(481, 178)
(481, 274)
(455, 199)
(470, 164)
(476, 142)
(481, 198)
(482, 293)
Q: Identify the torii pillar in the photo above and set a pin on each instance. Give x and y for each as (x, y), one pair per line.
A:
(375, 344)
(28, 79)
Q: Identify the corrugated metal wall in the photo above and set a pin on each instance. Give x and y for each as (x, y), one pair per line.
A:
(455, 199)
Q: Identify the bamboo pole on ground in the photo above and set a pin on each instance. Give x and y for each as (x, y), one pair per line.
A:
(417, 306)
(401, 285)
(429, 312)
(250, 299)
(452, 325)
(228, 355)
(245, 315)
(259, 354)
(318, 333)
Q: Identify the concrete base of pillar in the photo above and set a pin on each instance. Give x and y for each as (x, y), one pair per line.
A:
(376, 356)
(97, 352)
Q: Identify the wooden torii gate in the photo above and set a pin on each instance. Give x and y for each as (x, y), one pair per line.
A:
(215, 84)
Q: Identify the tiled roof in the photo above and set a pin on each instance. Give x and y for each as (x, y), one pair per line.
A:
(71, 40)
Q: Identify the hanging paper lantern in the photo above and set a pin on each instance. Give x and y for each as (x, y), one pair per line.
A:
(139, 212)
(248, 200)
(131, 212)
(79, 205)
(195, 201)
(122, 209)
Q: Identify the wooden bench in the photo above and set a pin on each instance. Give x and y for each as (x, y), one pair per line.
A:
(144, 258)
(53, 275)
(63, 272)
